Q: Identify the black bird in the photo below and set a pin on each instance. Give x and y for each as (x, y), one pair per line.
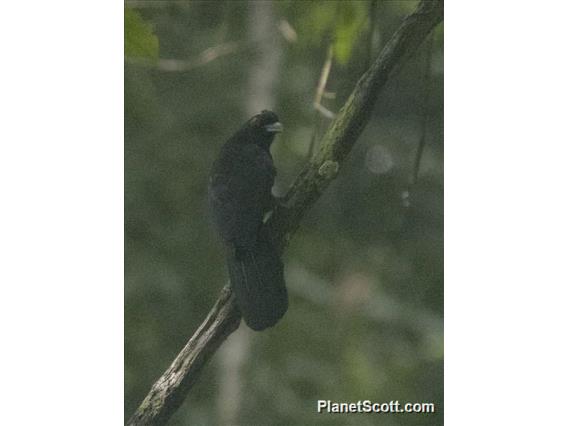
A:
(240, 194)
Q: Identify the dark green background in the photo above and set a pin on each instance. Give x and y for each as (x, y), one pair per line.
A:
(365, 269)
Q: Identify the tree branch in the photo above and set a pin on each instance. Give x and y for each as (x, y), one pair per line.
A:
(183, 65)
(167, 394)
(170, 390)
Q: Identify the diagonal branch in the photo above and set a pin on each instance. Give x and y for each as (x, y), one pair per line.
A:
(169, 391)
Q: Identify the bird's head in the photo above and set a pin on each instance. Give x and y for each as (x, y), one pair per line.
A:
(264, 127)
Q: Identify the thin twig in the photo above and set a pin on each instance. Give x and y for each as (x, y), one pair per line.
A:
(372, 29)
(318, 107)
(325, 112)
(182, 65)
(324, 75)
(170, 390)
(425, 115)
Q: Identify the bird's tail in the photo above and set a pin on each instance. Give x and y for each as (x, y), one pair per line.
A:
(257, 279)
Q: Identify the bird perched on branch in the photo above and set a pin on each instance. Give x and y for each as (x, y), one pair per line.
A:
(240, 194)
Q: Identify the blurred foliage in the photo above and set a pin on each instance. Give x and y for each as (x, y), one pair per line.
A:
(139, 39)
(339, 22)
(365, 269)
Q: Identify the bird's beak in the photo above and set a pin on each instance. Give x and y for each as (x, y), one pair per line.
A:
(274, 127)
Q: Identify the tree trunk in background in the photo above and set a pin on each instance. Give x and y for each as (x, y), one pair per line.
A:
(261, 88)
(264, 70)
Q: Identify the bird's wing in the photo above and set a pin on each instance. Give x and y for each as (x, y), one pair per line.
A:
(234, 225)
(259, 166)
(240, 194)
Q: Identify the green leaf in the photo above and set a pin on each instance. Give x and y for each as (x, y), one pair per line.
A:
(139, 38)
(351, 20)
(341, 22)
